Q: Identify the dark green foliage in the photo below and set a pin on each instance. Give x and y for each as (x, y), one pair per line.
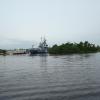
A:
(2, 51)
(69, 48)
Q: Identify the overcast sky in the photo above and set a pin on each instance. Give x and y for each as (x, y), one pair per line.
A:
(23, 22)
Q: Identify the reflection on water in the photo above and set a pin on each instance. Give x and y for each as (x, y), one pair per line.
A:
(44, 77)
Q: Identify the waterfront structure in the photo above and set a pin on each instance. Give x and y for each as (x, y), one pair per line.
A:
(16, 51)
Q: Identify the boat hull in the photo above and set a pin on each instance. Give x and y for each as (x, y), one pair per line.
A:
(32, 52)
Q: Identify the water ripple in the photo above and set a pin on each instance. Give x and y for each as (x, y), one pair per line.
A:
(67, 77)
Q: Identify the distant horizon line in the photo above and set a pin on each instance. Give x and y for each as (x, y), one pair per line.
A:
(16, 48)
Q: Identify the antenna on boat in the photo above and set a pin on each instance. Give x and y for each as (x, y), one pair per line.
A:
(33, 45)
(41, 38)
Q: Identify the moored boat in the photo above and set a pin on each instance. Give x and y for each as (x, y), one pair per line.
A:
(42, 48)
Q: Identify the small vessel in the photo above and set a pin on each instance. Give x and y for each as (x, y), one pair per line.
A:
(42, 48)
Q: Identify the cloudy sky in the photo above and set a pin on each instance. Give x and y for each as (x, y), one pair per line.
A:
(23, 22)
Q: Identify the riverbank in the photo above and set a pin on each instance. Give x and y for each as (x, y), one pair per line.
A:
(2, 52)
(73, 48)
(63, 49)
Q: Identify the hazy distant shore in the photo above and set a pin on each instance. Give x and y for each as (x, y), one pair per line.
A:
(65, 48)
(74, 48)
(2, 52)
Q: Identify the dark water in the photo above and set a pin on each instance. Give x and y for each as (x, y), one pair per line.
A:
(69, 77)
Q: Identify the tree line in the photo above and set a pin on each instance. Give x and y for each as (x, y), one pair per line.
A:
(69, 48)
(2, 51)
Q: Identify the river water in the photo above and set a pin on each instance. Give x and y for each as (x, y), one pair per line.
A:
(66, 77)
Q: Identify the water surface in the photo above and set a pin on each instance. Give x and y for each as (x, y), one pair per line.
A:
(67, 77)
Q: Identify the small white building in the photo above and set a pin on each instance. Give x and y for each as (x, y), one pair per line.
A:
(16, 51)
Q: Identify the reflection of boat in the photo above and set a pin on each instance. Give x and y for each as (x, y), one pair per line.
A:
(42, 48)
